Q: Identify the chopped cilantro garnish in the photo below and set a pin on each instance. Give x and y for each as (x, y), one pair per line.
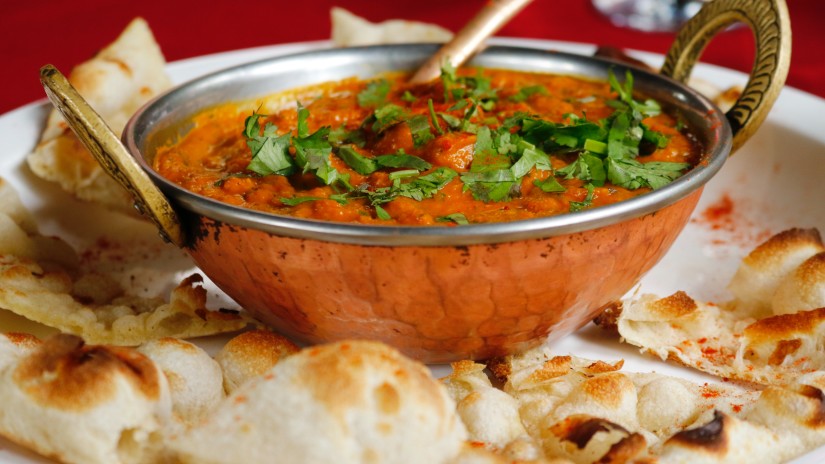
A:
(549, 185)
(505, 153)
(433, 117)
(451, 120)
(457, 218)
(408, 97)
(402, 160)
(417, 187)
(526, 92)
(340, 136)
(588, 200)
(386, 116)
(270, 153)
(632, 174)
(420, 129)
(340, 198)
(375, 93)
(358, 162)
(477, 88)
(382, 213)
(586, 167)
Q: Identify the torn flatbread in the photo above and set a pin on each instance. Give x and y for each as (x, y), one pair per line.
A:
(250, 355)
(770, 333)
(590, 411)
(84, 404)
(116, 82)
(346, 402)
(195, 379)
(349, 30)
(40, 279)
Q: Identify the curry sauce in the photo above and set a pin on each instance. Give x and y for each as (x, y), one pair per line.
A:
(476, 146)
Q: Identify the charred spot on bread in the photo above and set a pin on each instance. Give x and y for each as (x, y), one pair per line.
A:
(710, 436)
(66, 373)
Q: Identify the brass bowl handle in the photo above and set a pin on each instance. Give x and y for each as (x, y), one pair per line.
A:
(771, 27)
(106, 147)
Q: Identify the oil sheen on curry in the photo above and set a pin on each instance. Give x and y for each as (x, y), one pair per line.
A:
(475, 146)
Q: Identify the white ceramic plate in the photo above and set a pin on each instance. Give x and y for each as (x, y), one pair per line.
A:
(773, 183)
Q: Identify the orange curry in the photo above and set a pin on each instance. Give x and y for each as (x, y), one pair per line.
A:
(477, 145)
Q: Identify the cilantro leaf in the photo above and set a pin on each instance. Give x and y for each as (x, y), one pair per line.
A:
(624, 137)
(417, 187)
(457, 218)
(549, 185)
(340, 136)
(270, 153)
(420, 129)
(374, 94)
(273, 157)
(451, 120)
(632, 174)
(587, 167)
(386, 116)
(402, 160)
(526, 92)
(491, 185)
(408, 97)
(340, 198)
(433, 117)
(358, 162)
(531, 158)
(588, 200)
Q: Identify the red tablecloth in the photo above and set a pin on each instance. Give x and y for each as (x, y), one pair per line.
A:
(36, 32)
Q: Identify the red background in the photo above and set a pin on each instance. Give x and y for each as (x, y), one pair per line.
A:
(64, 33)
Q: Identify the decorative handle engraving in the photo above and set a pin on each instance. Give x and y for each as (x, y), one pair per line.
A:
(769, 21)
(105, 146)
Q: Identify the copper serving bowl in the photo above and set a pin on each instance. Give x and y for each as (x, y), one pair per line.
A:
(437, 293)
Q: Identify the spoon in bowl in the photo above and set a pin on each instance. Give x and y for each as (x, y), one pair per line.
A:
(493, 15)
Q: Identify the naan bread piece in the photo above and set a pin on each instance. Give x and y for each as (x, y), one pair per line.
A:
(763, 269)
(346, 402)
(47, 297)
(85, 404)
(803, 288)
(680, 329)
(19, 235)
(40, 280)
(194, 378)
(585, 439)
(349, 30)
(772, 351)
(251, 354)
(116, 82)
(741, 339)
(586, 411)
(14, 345)
(490, 415)
(726, 439)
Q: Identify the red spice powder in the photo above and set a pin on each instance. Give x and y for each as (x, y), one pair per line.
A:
(708, 392)
(732, 226)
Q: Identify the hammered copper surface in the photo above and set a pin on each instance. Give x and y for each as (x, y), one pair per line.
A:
(436, 304)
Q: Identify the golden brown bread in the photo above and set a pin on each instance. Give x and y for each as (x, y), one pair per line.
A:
(83, 403)
(116, 82)
(346, 402)
(250, 355)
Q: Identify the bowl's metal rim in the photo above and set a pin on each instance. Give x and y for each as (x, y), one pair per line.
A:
(488, 233)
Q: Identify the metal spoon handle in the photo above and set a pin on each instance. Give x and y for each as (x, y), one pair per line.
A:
(113, 157)
(493, 15)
